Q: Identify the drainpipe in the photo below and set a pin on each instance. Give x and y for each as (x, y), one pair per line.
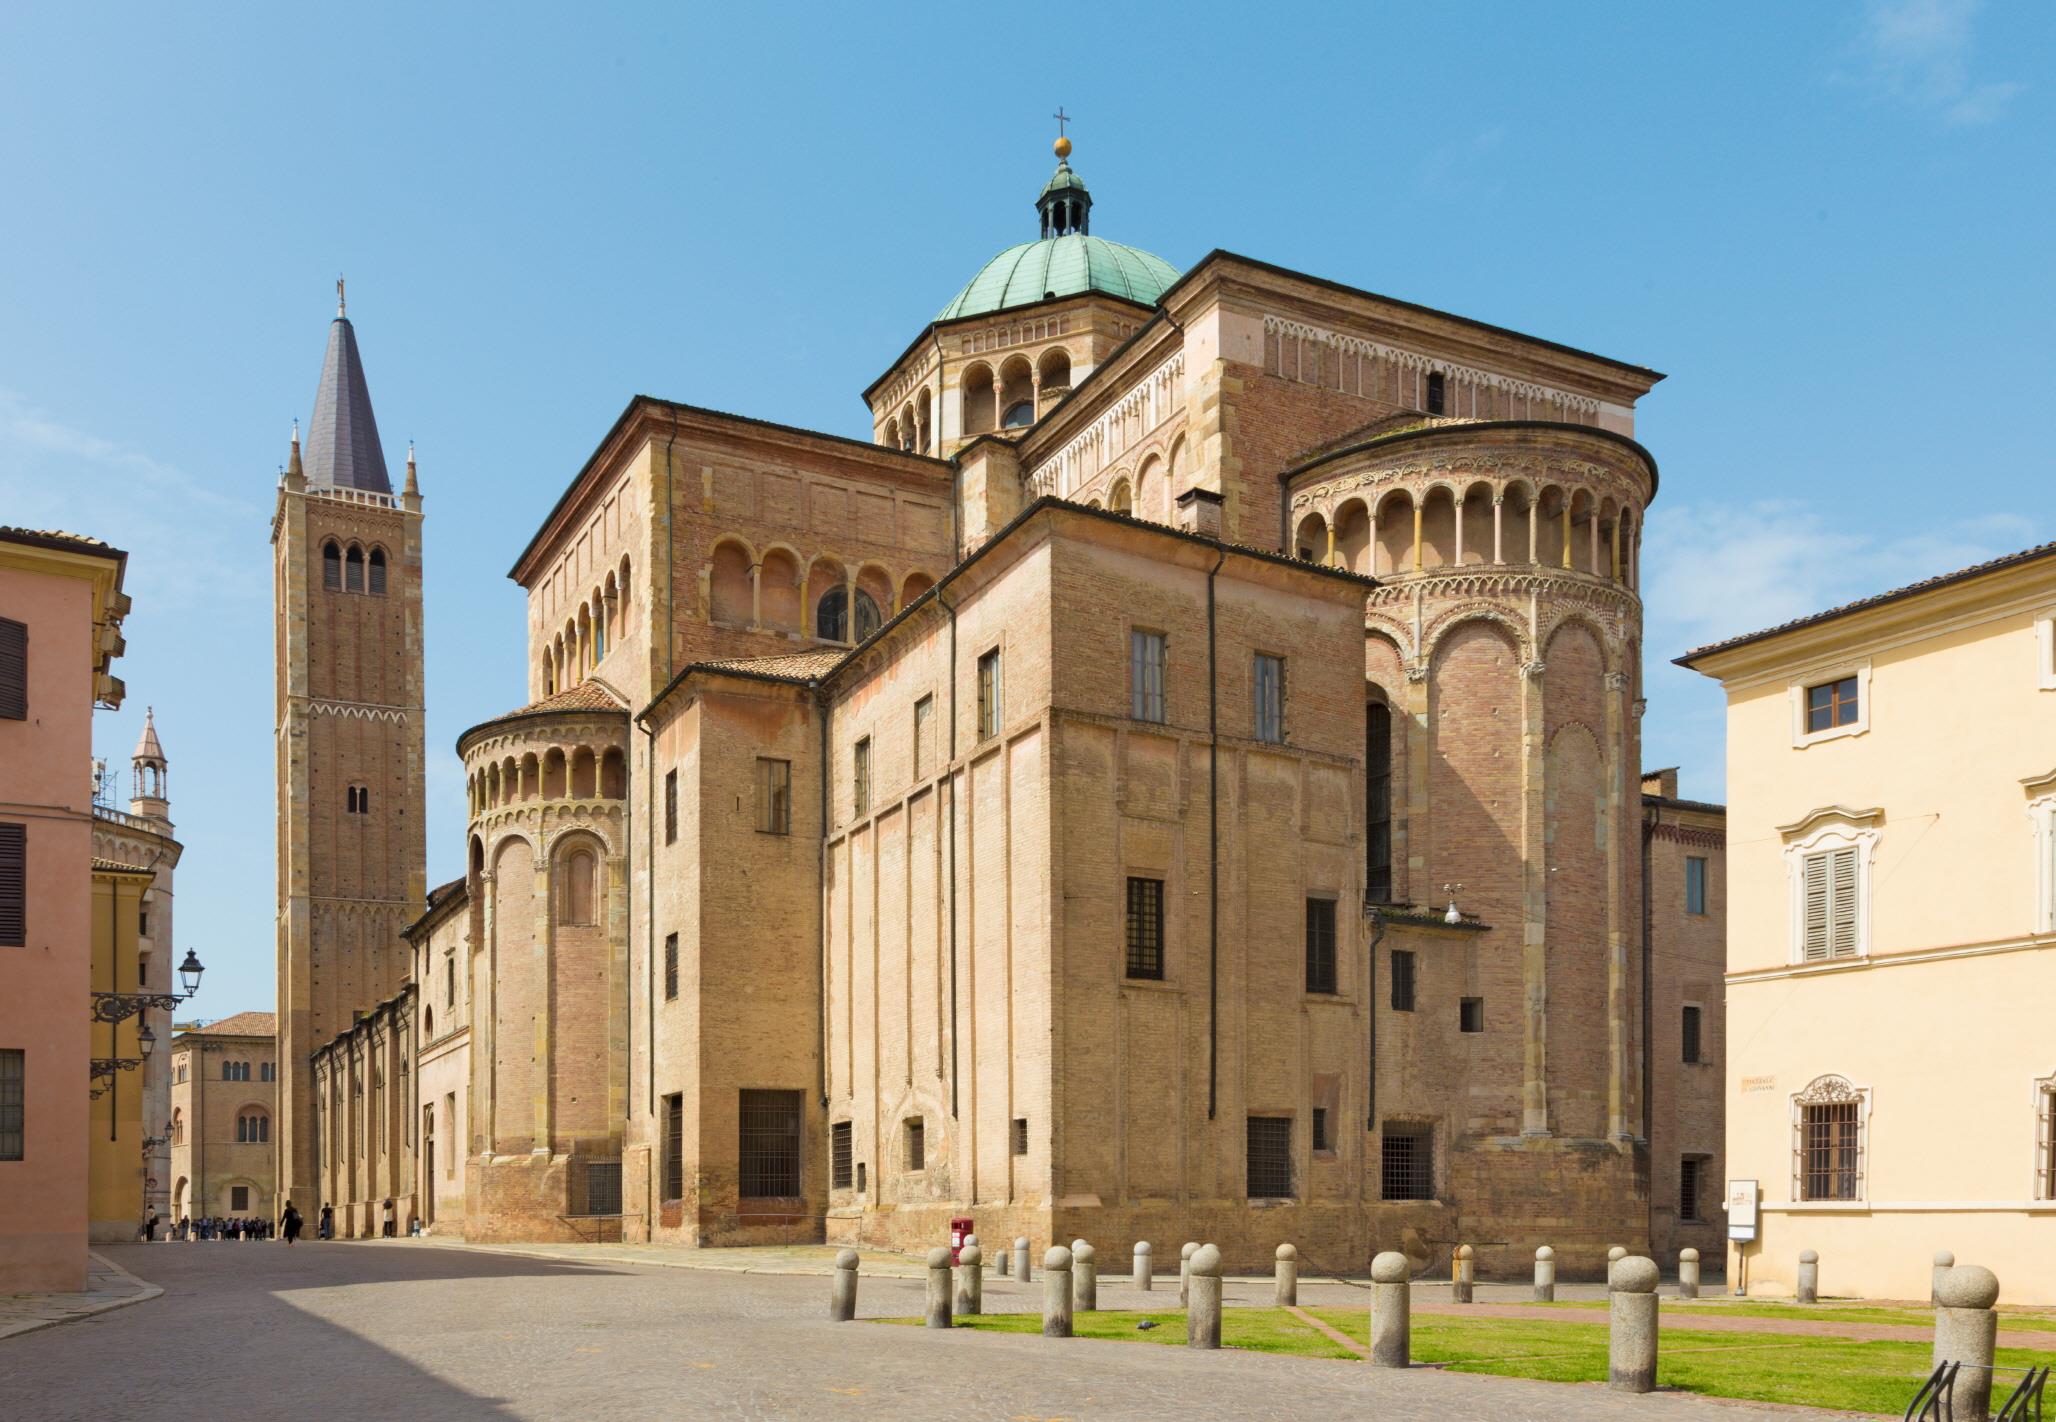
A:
(821, 877)
(1648, 956)
(950, 608)
(1377, 918)
(650, 904)
(1213, 852)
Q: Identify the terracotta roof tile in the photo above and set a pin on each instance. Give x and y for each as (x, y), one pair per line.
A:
(243, 1024)
(793, 666)
(586, 696)
(2026, 555)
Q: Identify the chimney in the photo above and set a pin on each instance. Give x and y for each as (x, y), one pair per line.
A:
(1199, 511)
(1661, 782)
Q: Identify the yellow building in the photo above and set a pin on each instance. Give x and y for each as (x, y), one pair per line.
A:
(117, 1167)
(1891, 904)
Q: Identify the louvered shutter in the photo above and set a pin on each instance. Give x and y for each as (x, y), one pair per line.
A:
(14, 855)
(1842, 904)
(14, 670)
(1814, 934)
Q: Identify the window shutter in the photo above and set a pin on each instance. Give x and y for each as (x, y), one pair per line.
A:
(14, 857)
(1815, 928)
(1842, 905)
(14, 670)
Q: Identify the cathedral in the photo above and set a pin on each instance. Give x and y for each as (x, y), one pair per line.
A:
(1178, 779)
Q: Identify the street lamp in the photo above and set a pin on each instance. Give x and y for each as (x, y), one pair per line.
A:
(189, 973)
(146, 1041)
(120, 1006)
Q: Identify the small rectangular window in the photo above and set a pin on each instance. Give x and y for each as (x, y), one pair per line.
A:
(991, 704)
(1320, 945)
(1831, 704)
(841, 1155)
(14, 670)
(1321, 1141)
(1270, 1158)
(670, 807)
(1268, 695)
(1402, 980)
(674, 1146)
(239, 1198)
(768, 1157)
(670, 967)
(1688, 1188)
(1020, 1135)
(1146, 928)
(13, 1103)
(1470, 1014)
(1408, 1163)
(924, 730)
(1690, 1034)
(774, 796)
(449, 980)
(1146, 675)
(1695, 884)
(917, 1144)
(860, 776)
(14, 885)
(142, 923)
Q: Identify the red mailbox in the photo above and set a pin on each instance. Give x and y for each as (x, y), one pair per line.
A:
(959, 1228)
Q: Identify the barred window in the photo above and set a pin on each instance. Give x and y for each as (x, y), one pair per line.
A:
(841, 1155)
(774, 795)
(1695, 885)
(670, 807)
(917, 1144)
(670, 967)
(1402, 980)
(1378, 802)
(1146, 928)
(1146, 675)
(1270, 1157)
(1689, 1030)
(2045, 1139)
(860, 776)
(769, 1159)
(1408, 1163)
(13, 1107)
(990, 695)
(1688, 1187)
(1320, 945)
(1828, 1140)
(1829, 887)
(1268, 699)
(674, 1146)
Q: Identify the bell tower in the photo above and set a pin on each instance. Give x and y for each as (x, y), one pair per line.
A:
(352, 847)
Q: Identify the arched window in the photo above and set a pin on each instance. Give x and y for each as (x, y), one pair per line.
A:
(831, 616)
(1378, 802)
(378, 572)
(178, 1122)
(428, 1024)
(1020, 415)
(575, 900)
(253, 1127)
(331, 566)
(357, 799)
(1435, 392)
(978, 398)
(353, 569)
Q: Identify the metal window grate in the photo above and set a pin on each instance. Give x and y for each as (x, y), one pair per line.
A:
(991, 697)
(1690, 1031)
(1270, 1157)
(1402, 980)
(1320, 945)
(860, 776)
(1831, 1151)
(769, 1157)
(1268, 699)
(1378, 802)
(13, 1110)
(670, 807)
(1146, 676)
(674, 1146)
(1688, 1188)
(841, 1154)
(1408, 1163)
(2045, 1131)
(1146, 928)
(603, 1187)
(670, 966)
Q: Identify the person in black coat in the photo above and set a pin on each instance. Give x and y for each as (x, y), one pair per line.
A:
(289, 1223)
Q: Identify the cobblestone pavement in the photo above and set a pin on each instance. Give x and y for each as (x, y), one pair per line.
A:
(107, 1287)
(413, 1331)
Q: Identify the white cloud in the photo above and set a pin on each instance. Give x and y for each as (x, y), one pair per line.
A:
(1919, 51)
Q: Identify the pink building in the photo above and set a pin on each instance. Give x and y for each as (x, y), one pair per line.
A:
(61, 607)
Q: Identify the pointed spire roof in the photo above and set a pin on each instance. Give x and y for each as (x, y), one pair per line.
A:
(342, 441)
(147, 748)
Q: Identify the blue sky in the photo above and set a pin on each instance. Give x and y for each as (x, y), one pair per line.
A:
(1830, 223)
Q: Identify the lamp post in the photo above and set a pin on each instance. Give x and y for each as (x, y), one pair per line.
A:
(120, 1006)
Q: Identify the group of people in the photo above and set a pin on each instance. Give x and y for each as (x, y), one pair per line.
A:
(287, 1227)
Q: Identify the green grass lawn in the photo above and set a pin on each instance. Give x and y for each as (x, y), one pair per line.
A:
(1846, 1313)
(1263, 1330)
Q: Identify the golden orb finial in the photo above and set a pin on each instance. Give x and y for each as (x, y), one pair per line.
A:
(1063, 147)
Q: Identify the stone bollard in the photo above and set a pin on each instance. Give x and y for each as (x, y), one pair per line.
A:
(1391, 1333)
(1808, 1289)
(842, 1302)
(1185, 1254)
(970, 1280)
(1631, 1338)
(1056, 1292)
(1545, 1275)
(1462, 1274)
(1288, 1277)
(1944, 1262)
(1614, 1256)
(1021, 1258)
(1203, 1315)
(1003, 1263)
(1967, 1332)
(1084, 1277)
(1688, 1273)
(938, 1288)
(1143, 1265)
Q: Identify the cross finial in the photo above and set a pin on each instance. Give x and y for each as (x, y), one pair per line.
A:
(1062, 118)
(339, 296)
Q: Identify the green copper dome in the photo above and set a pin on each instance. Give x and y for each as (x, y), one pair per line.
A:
(1062, 266)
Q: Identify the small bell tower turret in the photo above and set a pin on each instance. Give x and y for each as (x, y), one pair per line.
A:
(152, 797)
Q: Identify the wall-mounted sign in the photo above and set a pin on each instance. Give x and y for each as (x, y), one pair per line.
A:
(1742, 1210)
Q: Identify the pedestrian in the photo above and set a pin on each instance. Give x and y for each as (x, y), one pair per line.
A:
(386, 1229)
(327, 1228)
(150, 1229)
(291, 1223)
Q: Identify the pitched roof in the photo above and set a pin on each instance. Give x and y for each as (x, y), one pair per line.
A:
(342, 440)
(588, 695)
(243, 1024)
(793, 666)
(147, 745)
(1940, 580)
(58, 538)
